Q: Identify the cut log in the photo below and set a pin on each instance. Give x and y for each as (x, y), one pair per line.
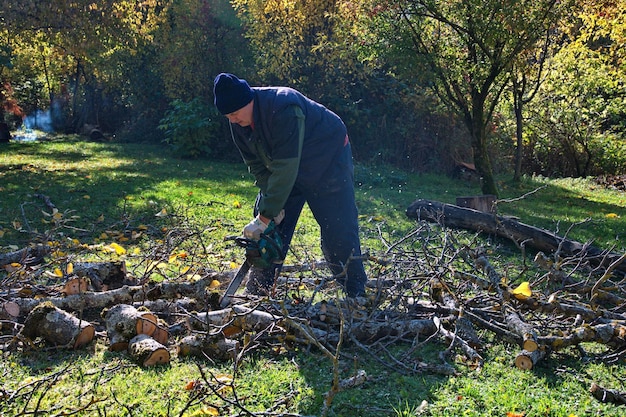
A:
(123, 322)
(527, 360)
(9, 310)
(523, 329)
(161, 334)
(147, 351)
(216, 347)
(57, 327)
(103, 275)
(75, 285)
(465, 218)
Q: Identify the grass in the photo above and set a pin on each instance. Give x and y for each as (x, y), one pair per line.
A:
(137, 195)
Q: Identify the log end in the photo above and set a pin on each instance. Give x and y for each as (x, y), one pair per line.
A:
(157, 357)
(523, 362)
(147, 323)
(85, 336)
(530, 345)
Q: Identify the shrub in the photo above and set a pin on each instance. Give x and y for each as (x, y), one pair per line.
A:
(190, 128)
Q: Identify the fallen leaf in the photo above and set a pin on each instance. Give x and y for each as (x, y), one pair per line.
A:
(522, 291)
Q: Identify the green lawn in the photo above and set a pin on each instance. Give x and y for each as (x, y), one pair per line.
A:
(157, 207)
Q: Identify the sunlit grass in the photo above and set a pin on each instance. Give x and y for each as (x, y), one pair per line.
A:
(115, 189)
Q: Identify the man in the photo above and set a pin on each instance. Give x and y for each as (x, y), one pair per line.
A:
(298, 152)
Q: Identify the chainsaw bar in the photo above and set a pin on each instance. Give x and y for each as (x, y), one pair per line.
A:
(234, 284)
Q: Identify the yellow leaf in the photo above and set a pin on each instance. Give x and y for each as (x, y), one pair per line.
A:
(236, 204)
(70, 268)
(611, 216)
(104, 236)
(185, 269)
(57, 216)
(214, 284)
(161, 213)
(86, 197)
(172, 258)
(194, 277)
(100, 219)
(117, 248)
(142, 227)
(58, 272)
(523, 291)
(233, 265)
(136, 251)
(206, 411)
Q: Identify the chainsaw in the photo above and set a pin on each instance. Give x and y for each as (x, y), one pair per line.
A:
(262, 253)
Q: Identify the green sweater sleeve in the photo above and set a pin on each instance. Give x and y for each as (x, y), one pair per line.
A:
(277, 176)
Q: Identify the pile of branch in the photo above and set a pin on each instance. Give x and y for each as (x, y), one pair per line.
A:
(426, 287)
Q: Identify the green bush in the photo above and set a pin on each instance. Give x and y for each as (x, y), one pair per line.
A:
(190, 128)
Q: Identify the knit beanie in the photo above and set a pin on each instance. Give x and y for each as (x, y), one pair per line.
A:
(231, 93)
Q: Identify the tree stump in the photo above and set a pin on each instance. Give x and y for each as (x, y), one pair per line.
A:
(484, 203)
(57, 326)
(123, 322)
(147, 351)
(216, 347)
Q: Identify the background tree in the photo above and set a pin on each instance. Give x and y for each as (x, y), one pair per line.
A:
(465, 50)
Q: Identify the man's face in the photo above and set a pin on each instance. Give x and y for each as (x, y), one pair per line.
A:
(243, 116)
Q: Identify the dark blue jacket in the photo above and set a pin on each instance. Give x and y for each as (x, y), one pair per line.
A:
(293, 142)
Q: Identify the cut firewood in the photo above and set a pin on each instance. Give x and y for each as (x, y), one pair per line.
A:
(527, 360)
(147, 351)
(104, 275)
(123, 322)
(161, 334)
(75, 285)
(525, 330)
(57, 327)
(216, 347)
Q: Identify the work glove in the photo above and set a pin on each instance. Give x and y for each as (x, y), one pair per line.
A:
(254, 229)
(257, 226)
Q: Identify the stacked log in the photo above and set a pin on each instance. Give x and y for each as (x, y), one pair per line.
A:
(124, 322)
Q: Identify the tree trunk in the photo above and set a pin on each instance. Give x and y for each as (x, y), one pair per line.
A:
(458, 217)
(57, 327)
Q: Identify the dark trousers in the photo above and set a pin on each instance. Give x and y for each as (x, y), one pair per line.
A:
(333, 206)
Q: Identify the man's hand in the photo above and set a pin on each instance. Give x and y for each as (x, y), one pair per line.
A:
(254, 229)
